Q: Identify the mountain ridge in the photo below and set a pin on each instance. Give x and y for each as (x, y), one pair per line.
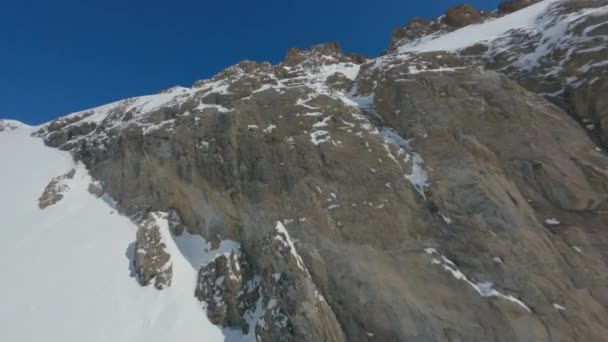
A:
(421, 195)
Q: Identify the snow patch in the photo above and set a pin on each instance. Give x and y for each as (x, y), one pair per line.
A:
(284, 237)
(485, 289)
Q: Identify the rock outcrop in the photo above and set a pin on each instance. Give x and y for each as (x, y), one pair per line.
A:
(415, 196)
(227, 285)
(54, 191)
(95, 189)
(462, 15)
(454, 18)
(152, 262)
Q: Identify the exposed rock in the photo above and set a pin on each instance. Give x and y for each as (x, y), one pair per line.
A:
(338, 81)
(511, 6)
(53, 193)
(95, 189)
(462, 15)
(356, 58)
(281, 295)
(228, 287)
(151, 261)
(417, 28)
(176, 225)
(296, 309)
(322, 54)
(562, 57)
(570, 70)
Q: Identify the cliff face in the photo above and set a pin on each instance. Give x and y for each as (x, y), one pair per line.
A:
(559, 52)
(414, 196)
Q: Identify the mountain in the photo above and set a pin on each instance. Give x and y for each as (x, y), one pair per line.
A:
(453, 189)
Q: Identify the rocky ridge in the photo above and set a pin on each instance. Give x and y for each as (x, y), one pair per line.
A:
(560, 54)
(416, 196)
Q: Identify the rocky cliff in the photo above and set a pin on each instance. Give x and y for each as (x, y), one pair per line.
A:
(430, 194)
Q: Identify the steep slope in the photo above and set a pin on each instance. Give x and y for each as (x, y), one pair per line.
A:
(415, 196)
(66, 269)
(556, 48)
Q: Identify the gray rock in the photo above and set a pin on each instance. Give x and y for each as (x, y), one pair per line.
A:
(53, 193)
(95, 189)
(152, 262)
(176, 225)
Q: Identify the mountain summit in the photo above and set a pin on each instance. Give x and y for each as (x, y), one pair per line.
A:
(453, 189)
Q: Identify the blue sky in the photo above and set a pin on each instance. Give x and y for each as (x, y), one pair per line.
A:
(62, 56)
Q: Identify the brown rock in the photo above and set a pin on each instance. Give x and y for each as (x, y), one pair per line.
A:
(462, 15)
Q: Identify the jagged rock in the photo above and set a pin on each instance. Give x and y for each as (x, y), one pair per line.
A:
(356, 58)
(281, 292)
(322, 54)
(60, 138)
(462, 15)
(338, 81)
(176, 225)
(53, 193)
(65, 121)
(151, 261)
(417, 28)
(95, 189)
(225, 284)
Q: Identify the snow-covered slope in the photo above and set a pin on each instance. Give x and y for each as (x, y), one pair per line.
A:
(555, 48)
(529, 38)
(484, 32)
(66, 269)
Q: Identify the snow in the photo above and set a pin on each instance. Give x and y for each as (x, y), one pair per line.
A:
(418, 178)
(66, 269)
(417, 70)
(552, 221)
(483, 32)
(559, 307)
(322, 123)
(485, 289)
(284, 237)
(269, 129)
(320, 136)
(446, 219)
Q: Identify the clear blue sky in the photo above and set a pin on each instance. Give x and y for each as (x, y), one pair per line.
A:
(62, 56)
